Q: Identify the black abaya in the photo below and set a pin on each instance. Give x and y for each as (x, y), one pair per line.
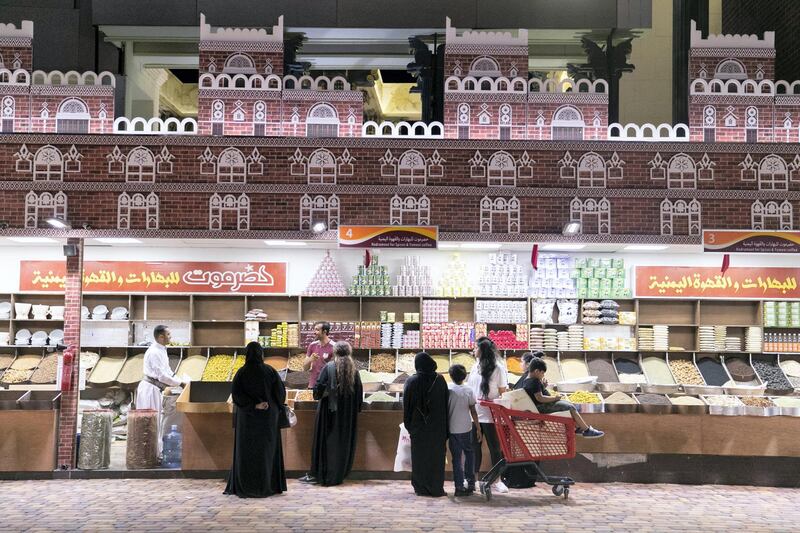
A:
(334, 431)
(426, 422)
(519, 477)
(257, 470)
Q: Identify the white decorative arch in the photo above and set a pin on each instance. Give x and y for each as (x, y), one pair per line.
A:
(322, 121)
(567, 124)
(409, 211)
(680, 212)
(591, 211)
(592, 170)
(771, 215)
(230, 203)
(127, 204)
(319, 208)
(72, 116)
(681, 172)
(494, 210)
(321, 167)
(773, 174)
(48, 164)
(44, 205)
(239, 63)
(140, 165)
(155, 126)
(501, 170)
(231, 166)
(403, 130)
(485, 66)
(730, 69)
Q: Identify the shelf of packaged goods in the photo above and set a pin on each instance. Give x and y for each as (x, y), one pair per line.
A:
(221, 321)
(54, 320)
(669, 325)
(89, 321)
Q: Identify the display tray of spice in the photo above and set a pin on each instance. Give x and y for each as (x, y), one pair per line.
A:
(629, 370)
(685, 372)
(442, 362)
(654, 403)
(106, 370)
(361, 360)
(297, 380)
(26, 362)
(603, 368)
(553, 374)
(277, 362)
(132, 371)
(741, 371)
(405, 362)
(46, 371)
(772, 375)
(13, 376)
(657, 371)
(218, 368)
(465, 359)
(713, 372)
(5, 361)
(193, 367)
(382, 362)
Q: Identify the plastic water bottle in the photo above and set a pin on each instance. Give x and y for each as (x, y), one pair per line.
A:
(173, 445)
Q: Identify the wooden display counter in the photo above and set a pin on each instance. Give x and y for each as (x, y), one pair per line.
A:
(29, 422)
(208, 438)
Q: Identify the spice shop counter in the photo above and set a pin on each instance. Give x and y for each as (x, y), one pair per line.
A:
(28, 430)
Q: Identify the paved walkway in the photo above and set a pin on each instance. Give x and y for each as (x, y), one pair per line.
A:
(369, 506)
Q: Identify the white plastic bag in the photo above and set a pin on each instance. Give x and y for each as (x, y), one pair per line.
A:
(402, 461)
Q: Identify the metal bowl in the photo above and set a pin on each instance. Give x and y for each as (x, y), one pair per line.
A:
(655, 408)
(790, 411)
(617, 387)
(660, 389)
(621, 407)
(701, 390)
(564, 386)
(590, 407)
(744, 391)
(691, 409)
(762, 411)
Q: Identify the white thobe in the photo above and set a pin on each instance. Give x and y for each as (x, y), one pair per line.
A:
(156, 366)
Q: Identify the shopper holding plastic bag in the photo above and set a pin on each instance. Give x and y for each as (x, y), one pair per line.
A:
(402, 461)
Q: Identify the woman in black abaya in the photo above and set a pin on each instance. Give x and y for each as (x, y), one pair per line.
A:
(521, 477)
(340, 396)
(425, 418)
(258, 394)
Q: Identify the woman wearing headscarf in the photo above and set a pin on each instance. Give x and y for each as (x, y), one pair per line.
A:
(425, 418)
(340, 395)
(258, 395)
(488, 380)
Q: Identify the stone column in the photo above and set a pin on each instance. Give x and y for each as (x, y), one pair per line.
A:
(73, 299)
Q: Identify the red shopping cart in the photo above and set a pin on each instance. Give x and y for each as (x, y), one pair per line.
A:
(526, 438)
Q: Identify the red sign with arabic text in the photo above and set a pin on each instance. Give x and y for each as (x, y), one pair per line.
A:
(158, 277)
(708, 282)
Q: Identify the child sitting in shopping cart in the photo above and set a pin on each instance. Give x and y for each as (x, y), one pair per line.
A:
(536, 387)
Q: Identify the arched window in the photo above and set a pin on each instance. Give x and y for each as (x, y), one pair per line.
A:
(591, 170)
(411, 169)
(681, 172)
(72, 117)
(231, 166)
(500, 215)
(141, 165)
(485, 66)
(409, 210)
(773, 174)
(463, 121)
(680, 217)
(502, 170)
(321, 167)
(239, 63)
(48, 164)
(129, 205)
(593, 215)
(319, 209)
(568, 124)
(238, 206)
(771, 215)
(730, 69)
(322, 121)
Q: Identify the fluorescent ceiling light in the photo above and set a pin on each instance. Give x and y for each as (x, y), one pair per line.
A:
(447, 245)
(118, 240)
(645, 247)
(481, 245)
(58, 223)
(563, 247)
(282, 242)
(32, 240)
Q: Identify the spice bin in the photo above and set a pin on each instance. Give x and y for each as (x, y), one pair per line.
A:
(719, 404)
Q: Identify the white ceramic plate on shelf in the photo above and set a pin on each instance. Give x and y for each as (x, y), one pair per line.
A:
(119, 313)
(84, 313)
(39, 338)
(56, 335)
(5, 308)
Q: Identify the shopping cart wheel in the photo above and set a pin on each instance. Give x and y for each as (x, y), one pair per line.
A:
(558, 490)
(486, 490)
(566, 492)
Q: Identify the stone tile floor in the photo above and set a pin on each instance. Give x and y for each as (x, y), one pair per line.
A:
(367, 506)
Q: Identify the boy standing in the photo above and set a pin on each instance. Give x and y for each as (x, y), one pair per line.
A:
(462, 418)
(536, 387)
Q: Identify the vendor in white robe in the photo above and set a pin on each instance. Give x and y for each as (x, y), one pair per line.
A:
(157, 375)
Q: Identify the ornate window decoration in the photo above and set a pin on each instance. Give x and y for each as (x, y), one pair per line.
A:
(485, 66)
(593, 215)
(239, 63)
(412, 168)
(709, 124)
(681, 172)
(730, 119)
(140, 165)
(749, 169)
(501, 169)
(321, 167)
(238, 111)
(48, 164)
(41, 206)
(7, 106)
(771, 215)
(260, 118)
(217, 117)
(615, 164)
(705, 168)
(319, 209)
(759, 71)
(127, 204)
(23, 160)
(409, 210)
(730, 69)
(463, 120)
(568, 167)
(231, 166)
(680, 213)
(773, 174)
(495, 211)
(591, 170)
(505, 122)
(567, 124)
(230, 203)
(72, 116)
(484, 116)
(322, 121)
(751, 124)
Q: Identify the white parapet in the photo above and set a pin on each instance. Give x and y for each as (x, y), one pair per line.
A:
(648, 132)
(403, 130)
(155, 126)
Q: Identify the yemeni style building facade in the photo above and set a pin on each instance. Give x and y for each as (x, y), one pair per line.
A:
(515, 158)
